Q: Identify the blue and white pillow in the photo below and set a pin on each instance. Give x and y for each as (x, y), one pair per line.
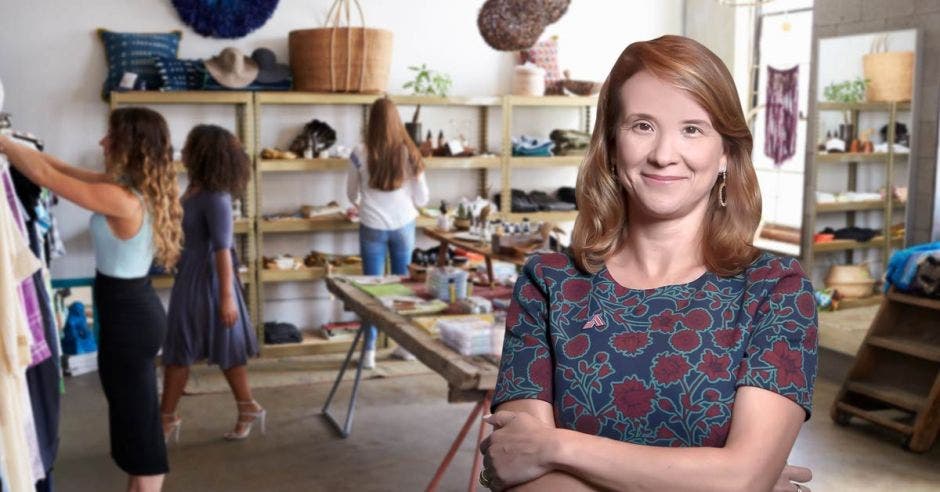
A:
(135, 52)
(181, 75)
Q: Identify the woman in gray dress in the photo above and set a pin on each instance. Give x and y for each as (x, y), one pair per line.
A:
(207, 318)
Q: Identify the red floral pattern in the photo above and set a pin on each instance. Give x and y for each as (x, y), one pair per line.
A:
(664, 366)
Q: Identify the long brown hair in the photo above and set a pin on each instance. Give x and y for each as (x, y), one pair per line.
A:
(388, 146)
(728, 231)
(215, 160)
(139, 157)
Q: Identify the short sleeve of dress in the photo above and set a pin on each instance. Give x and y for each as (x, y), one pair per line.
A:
(526, 367)
(219, 220)
(781, 353)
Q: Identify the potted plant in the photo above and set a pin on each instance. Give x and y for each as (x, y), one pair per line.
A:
(426, 82)
(847, 92)
(464, 217)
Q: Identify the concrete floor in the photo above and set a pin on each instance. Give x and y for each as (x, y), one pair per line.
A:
(403, 426)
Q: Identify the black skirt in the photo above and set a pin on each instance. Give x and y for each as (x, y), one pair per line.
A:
(133, 324)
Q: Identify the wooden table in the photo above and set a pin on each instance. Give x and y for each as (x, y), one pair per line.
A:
(481, 248)
(468, 378)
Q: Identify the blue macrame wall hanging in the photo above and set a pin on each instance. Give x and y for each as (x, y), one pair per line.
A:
(225, 19)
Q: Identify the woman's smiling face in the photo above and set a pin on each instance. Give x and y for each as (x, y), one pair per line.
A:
(668, 153)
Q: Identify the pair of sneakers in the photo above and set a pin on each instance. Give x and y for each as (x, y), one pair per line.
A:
(398, 353)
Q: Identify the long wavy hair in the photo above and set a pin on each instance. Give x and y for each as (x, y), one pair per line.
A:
(389, 147)
(140, 158)
(216, 161)
(727, 232)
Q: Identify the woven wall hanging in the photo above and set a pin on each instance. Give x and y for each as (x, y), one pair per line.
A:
(225, 19)
(512, 25)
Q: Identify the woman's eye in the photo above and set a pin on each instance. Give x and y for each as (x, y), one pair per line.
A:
(692, 130)
(643, 126)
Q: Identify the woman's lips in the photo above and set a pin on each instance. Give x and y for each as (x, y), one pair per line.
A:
(662, 179)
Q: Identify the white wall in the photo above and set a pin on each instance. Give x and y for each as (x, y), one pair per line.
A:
(52, 66)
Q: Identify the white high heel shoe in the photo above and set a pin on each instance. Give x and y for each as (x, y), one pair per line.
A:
(244, 424)
(171, 427)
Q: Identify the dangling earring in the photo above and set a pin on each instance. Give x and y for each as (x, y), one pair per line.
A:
(723, 189)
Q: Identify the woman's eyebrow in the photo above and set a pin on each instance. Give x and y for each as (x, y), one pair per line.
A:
(705, 123)
(644, 116)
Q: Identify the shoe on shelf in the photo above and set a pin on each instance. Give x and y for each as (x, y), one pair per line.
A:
(368, 361)
(401, 353)
(171, 427)
(248, 413)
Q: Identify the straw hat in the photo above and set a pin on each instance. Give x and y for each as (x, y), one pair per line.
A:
(232, 69)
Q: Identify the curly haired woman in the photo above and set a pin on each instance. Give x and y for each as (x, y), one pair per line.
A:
(136, 219)
(207, 317)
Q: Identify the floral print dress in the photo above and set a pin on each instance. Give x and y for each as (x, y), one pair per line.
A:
(657, 366)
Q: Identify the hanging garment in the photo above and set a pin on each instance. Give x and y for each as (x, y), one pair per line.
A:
(17, 431)
(782, 108)
(44, 379)
(39, 348)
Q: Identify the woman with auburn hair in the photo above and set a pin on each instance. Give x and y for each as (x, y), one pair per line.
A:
(207, 316)
(136, 220)
(386, 183)
(667, 353)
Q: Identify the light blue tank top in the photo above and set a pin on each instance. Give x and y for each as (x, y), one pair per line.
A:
(118, 258)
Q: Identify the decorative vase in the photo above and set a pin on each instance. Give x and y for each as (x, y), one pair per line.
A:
(414, 131)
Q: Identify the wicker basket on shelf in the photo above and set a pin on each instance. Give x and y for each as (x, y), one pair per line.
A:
(341, 59)
(890, 74)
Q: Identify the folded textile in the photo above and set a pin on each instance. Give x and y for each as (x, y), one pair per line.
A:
(519, 202)
(860, 234)
(902, 267)
(531, 146)
(546, 202)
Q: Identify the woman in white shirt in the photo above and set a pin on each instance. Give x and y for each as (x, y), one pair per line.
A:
(386, 183)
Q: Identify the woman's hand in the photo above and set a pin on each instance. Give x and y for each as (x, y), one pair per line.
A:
(792, 478)
(228, 311)
(517, 451)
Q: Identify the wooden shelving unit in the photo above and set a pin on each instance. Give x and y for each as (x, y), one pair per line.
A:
(481, 164)
(895, 381)
(253, 227)
(852, 162)
(585, 103)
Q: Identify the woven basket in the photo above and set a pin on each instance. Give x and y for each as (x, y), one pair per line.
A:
(890, 74)
(850, 281)
(340, 59)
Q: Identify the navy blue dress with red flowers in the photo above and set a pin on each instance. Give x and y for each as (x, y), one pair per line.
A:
(660, 366)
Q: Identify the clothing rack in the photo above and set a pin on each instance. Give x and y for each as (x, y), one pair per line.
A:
(33, 382)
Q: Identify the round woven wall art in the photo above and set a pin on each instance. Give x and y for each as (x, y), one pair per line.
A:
(512, 25)
(225, 19)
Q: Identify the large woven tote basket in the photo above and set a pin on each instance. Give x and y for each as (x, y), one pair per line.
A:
(890, 74)
(341, 59)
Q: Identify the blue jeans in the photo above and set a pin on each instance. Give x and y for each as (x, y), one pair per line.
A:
(374, 246)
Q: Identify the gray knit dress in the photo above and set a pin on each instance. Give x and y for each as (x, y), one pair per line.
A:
(194, 329)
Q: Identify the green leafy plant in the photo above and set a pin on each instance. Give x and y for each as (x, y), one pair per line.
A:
(427, 82)
(847, 91)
